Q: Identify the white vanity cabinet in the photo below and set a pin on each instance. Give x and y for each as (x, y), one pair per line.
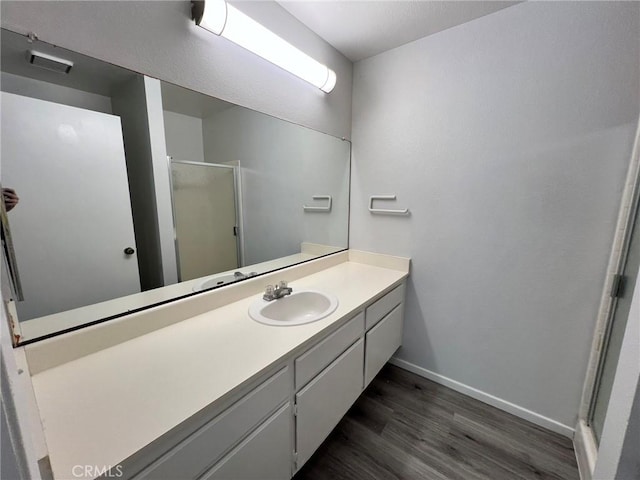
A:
(209, 393)
(264, 455)
(381, 307)
(315, 359)
(382, 341)
(384, 320)
(274, 428)
(355, 353)
(238, 430)
(325, 400)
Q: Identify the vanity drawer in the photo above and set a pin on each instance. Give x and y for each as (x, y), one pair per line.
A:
(205, 446)
(265, 454)
(317, 358)
(377, 310)
(381, 343)
(324, 401)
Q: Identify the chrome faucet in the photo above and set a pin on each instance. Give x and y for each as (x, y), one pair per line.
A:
(274, 293)
(242, 276)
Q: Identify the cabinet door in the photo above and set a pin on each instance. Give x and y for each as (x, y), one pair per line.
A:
(203, 448)
(382, 342)
(266, 454)
(379, 309)
(324, 401)
(317, 358)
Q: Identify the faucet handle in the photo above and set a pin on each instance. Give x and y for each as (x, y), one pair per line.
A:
(269, 290)
(283, 284)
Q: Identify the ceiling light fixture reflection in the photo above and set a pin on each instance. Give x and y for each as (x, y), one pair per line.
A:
(218, 17)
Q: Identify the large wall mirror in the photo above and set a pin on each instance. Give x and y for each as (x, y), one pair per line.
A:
(132, 192)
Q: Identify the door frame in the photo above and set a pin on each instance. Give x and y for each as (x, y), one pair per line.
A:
(237, 186)
(631, 230)
(586, 446)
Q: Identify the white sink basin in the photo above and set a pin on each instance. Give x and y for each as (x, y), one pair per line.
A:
(298, 308)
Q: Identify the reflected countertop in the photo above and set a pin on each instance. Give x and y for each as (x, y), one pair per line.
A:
(43, 326)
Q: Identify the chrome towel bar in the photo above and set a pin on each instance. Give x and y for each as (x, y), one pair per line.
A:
(385, 211)
(325, 208)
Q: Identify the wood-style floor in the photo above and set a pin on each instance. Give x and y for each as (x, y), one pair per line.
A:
(406, 427)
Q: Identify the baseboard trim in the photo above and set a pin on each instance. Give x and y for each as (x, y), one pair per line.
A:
(584, 444)
(487, 398)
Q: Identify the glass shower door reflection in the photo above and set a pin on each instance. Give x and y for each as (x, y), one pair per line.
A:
(204, 209)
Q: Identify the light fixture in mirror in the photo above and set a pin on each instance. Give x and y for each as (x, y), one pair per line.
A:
(134, 192)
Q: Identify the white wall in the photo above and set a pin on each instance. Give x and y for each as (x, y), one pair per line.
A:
(183, 135)
(282, 167)
(29, 87)
(508, 138)
(160, 40)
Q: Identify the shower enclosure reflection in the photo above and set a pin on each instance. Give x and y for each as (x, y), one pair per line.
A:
(205, 214)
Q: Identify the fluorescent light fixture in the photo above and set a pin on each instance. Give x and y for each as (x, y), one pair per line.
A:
(223, 19)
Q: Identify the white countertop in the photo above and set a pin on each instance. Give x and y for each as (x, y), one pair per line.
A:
(103, 407)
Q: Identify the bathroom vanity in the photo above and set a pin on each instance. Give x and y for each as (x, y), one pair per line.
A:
(207, 392)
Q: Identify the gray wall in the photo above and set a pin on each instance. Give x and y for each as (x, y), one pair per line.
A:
(282, 166)
(183, 135)
(509, 139)
(158, 38)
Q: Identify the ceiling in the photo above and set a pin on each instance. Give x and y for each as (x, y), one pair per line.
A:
(361, 29)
